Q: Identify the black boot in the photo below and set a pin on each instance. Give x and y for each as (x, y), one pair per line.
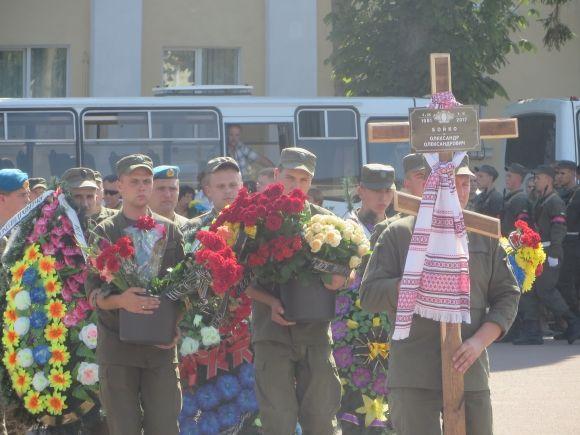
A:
(530, 334)
(573, 332)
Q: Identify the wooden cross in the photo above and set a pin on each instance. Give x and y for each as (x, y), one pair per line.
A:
(387, 132)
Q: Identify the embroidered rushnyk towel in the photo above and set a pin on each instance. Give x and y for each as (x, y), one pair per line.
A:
(435, 282)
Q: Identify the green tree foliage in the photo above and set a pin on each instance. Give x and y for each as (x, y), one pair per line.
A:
(381, 47)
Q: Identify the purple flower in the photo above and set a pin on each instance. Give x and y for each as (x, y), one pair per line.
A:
(361, 377)
(343, 356)
(343, 304)
(380, 385)
(339, 330)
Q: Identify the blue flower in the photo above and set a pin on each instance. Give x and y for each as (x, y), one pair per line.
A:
(209, 423)
(229, 415)
(519, 273)
(189, 427)
(38, 295)
(38, 319)
(247, 401)
(30, 276)
(228, 386)
(208, 397)
(41, 354)
(246, 375)
(189, 407)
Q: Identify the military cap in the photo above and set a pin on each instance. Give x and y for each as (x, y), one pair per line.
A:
(545, 169)
(463, 167)
(98, 176)
(516, 168)
(298, 158)
(79, 177)
(414, 162)
(376, 176)
(221, 163)
(37, 182)
(490, 170)
(166, 172)
(134, 161)
(12, 180)
(566, 164)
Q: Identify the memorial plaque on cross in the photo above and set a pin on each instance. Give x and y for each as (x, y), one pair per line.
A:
(444, 131)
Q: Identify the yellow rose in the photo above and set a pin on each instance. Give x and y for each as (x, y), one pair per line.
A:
(319, 236)
(317, 218)
(352, 324)
(376, 321)
(315, 245)
(357, 238)
(316, 228)
(354, 262)
(333, 238)
(363, 249)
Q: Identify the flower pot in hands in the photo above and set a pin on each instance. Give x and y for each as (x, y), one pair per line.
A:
(150, 329)
(307, 301)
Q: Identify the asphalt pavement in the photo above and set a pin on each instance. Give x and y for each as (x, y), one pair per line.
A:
(536, 389)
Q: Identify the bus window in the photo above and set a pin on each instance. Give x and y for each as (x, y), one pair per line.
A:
(331, 134)
(43, 144)
(389, 153)
(536, 143)
(186, 138)
(2, 137)
(257, 146)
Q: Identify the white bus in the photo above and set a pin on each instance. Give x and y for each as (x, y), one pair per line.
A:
(44, 137)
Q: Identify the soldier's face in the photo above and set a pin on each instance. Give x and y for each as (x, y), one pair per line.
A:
(293, 179)
(512, 181)
(85, 198)
(223, 187)
(11, 203)
(165, 196)
(463, 186)
(541, 182)
(484, 180)
(136, 187)
(565, 177)
(414, 182)
(111, 194)
(376, 201)
(36, 192)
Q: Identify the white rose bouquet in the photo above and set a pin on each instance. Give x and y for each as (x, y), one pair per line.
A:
(337, 245)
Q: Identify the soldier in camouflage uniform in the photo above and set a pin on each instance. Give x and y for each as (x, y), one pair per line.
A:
(223, 181)
(416, 169)
(296, 377)
(101, 212)
(166, 194)
(37, 187)
(549, 216)
(415, 397)
(515, 205)
(14, 195)
(570, 274)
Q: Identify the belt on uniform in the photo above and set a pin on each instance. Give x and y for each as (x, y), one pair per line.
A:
(573, 234)
(546, 244)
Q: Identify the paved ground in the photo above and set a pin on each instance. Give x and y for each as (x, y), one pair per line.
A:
(536, 389)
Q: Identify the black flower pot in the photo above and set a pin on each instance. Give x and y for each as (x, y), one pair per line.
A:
(307, 301)
(151, 329)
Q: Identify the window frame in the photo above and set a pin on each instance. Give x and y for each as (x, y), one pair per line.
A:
(67, 110)
(327, 109)
(26, 70)
(198, 55)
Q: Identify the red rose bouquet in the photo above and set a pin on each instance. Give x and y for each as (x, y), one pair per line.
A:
(265, 229)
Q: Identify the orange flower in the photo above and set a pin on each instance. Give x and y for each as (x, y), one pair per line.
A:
(31, 254)
(55, 310)
(55, 332)
(18, 271)
(33, 402)
(59, 356)
(52, 287)
(46, 265)
(21, 382)
(10, 359)
(55, 404)
(10, 316)
(10, 338)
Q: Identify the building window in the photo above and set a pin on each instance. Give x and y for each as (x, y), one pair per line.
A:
(33, 72)
(201, 66)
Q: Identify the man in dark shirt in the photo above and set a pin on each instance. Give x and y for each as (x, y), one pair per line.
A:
(489, 201)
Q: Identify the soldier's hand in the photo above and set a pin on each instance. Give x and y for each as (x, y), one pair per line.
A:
(552, 262)
(278, 314)
(336, 282)
(133, 301)
(467, 353)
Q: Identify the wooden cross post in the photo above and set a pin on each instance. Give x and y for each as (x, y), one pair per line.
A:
(445, 131)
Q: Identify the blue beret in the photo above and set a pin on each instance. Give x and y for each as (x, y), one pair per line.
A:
(12, 180)
(165, 172)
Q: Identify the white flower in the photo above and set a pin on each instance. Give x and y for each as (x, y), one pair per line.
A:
(197, 320)
(22, 300)
(88, 335)
(188, 346)
(354, 262)
(315, 245)
(316, 228)
(39, 381)
(210, 336)
(24, 358)
(357, 238)
(363, 249)
(88, 373)
(22, 326)
(317, 218)
(333, 238)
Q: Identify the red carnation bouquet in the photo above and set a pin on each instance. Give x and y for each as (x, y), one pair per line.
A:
(133, 260)
(265, 230)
